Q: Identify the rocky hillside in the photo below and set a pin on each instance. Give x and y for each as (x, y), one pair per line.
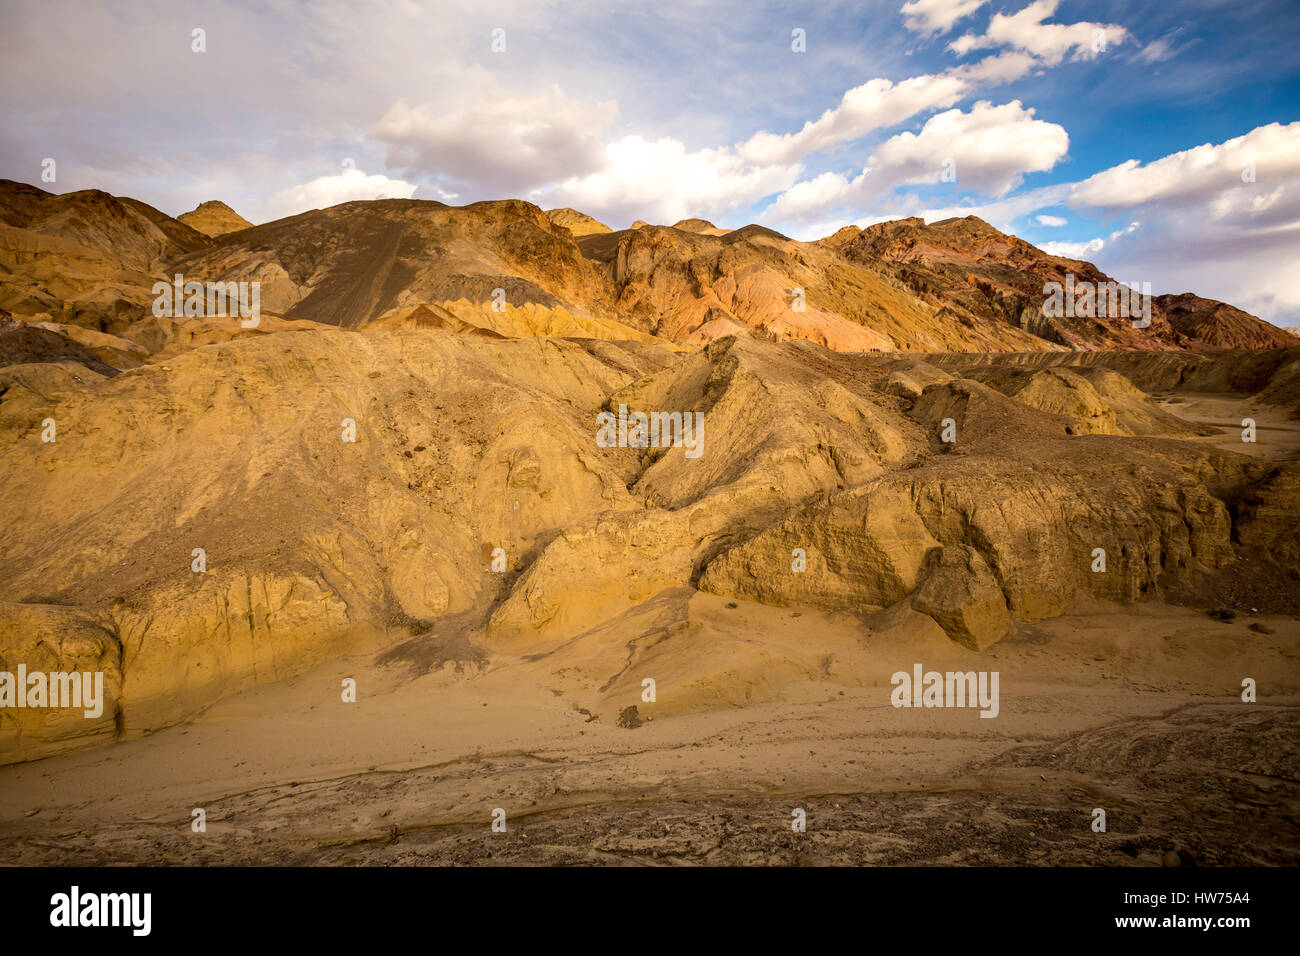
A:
(439, 473)
(1218, 324)
(84, 258)
(89, 260)
(980, 277)
(408, 437)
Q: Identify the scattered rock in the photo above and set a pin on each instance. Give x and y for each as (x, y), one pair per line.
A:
(962, 596)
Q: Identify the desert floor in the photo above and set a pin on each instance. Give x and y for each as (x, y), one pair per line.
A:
(1136, 710)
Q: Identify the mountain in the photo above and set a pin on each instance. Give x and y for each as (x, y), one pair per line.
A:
(84, 258)
(694, 287)
(214, 218)
(1219, 324)
(89, 259)
(979, 276)
(351, 263)
(701, 226)
(578, 223)
(406, 481)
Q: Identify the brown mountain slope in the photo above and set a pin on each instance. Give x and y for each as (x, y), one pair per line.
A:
(695, 287)
(981, 275)
(351, 263)
(701, 226)
(124, 232)
(84, 258)
(214, 218)
(90, 259)
(1220, 325)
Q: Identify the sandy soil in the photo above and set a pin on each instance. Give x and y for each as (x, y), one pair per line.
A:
(1135, 709)
(1277, 436)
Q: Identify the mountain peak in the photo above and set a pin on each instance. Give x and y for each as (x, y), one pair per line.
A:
(214, 218)
(578, 223)
(700, 226)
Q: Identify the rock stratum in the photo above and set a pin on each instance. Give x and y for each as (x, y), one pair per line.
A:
(387, 455)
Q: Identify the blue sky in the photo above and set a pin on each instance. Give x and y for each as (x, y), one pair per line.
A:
(1160, 140)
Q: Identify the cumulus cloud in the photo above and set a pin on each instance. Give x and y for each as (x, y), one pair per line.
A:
(1051, 42)
(811, 199)
(1222, 220)
(1073, 250)
(641, 178)
(502, 145)
(928, 17)
(343, 187)
(1195, 176)
(881, 103)
(661, 179)
(1078, 250)
(875, 104)
(549, 148)
(976, 145)
(1052, 222)
(969, 148)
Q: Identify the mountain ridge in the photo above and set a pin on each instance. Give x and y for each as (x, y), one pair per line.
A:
(89, 259)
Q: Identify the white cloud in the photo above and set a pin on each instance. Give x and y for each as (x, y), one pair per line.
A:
(1205, 227)
(976, 143)
(662, 181)
(812, 199)
(1073, 250)
(1078, 250)
(972, 147)
(1003, 68)
(1051, 42)
(1269, 154)
(331, 190)
(1156, 51)
(875, 104)
(929, 17)
(881, 103)
(503, 145)
(1052, 222)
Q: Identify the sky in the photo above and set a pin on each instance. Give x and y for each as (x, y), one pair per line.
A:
(1159, 140)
